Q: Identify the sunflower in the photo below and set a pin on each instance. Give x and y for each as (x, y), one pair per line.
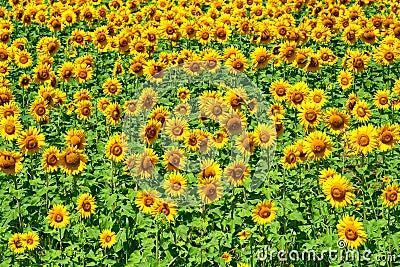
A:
(210, 169)
(176, 184)
(287, 51)
(318, 145)
(234, 123)
(351, 231)
(86, 205)
(326, 174)
(10, 128)
(183, 94)
(116, 148)
(82, 95)
(357, 60)
(159, 114)
(84, 110)
(388, 135)
(191, 138)
(264, 212)
(338, 191)
(174, 159)
(309, 115)
(50, 159)
(76, 138)
(112, 87)
(177, 128)
(23, 59)
(154, 71)
(391, 195)
(212, 60)
(297, 94)
(264, 135)
(43, 73)
(386, 54)
(245, 234)
(237, 62)
(363, 139)
(114, 114)
(279, 89)
(351, 102)
(345, 79)
(351, 34)
(204, 34)
(167, 208)
(220, 139)
(210, 190)
(235, 98)
(226, 257)
(58, 216)
(246, 143)
(83, 72)
(39, 110)
(369, 34)
(276, 110)
(107, 238)
(145, 199)
(150, 131)
(237, 172)
(381, 99)
(361, 111)
(336, 120)
(131, 107)
(72, 160)
(260, 58)
(31, 141)
(314, 63)
(147, 163)
(148, 99)
(25, 81)
(16, 243)
(291, 156)
(30, 240)
(6, 96)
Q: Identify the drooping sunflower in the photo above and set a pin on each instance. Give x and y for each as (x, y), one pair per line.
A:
(72, 160)
(58, 216)
(351, 231)
(391, 195)
(176, 184)
(337, 121)
(388, 135)
(147, 163)
(210, 190)
(325, 174)
(237, 172)
(351, 102)
(174, 159)
(30, 240)
(310, 115)
(86, 205)
(10, 162)
(15, 243)
(107, 238)
(164, 208)
(318, 145)
(291, 156)
(338, 191)
(363, 139)
(116, 148)
(361, 111)
(50, 159)
(31, 141)
(264, 212)
(210, 169)
(76, 138)
(145, 199)
(10, 128)
(114, 113)
(160, 114)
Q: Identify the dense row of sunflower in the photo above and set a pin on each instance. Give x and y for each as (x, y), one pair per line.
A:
(69, 70)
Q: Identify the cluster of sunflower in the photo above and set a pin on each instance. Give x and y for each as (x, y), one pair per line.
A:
(228, 111)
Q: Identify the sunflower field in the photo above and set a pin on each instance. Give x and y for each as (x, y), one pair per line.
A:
(199, 133)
